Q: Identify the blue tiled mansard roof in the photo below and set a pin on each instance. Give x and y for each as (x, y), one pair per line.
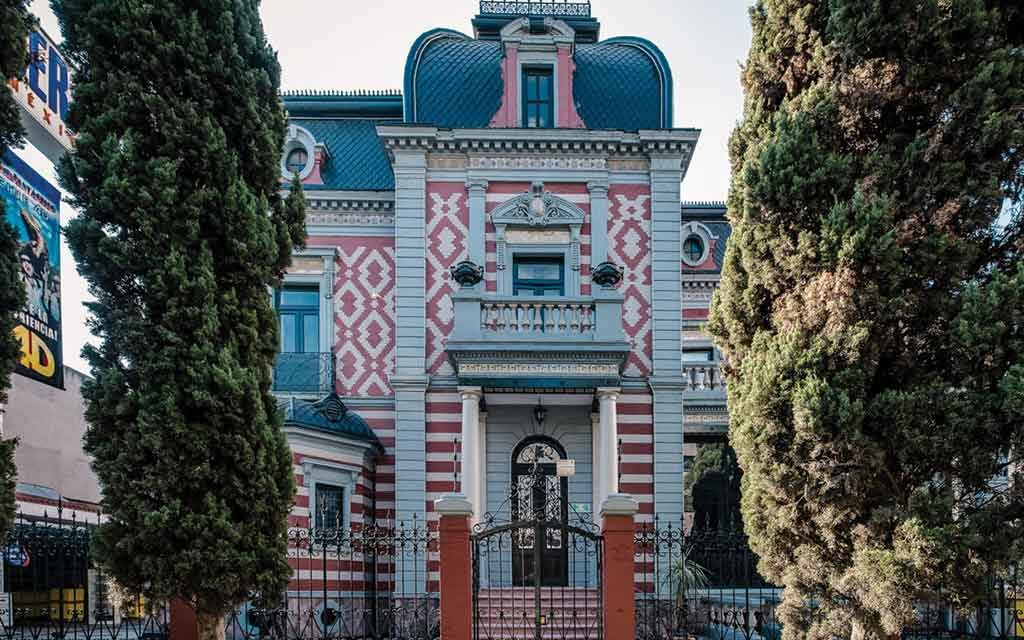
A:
(346, 124)
(623, 83)
(453, 80)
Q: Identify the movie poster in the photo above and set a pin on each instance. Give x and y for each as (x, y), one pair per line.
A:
(32, 206)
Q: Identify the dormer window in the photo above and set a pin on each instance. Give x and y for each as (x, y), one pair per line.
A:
(538, 97)
(296, 161)
(693, 249)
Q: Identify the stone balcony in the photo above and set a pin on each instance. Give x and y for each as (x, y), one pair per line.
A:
(538, 342)
(705, 380)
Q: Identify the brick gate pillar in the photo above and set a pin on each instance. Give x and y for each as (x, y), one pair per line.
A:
(618, 571)
(183, 623)
(456, 567)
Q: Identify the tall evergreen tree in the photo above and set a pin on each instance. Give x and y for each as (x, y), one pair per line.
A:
(15, 22)
(872, 303)
(176, 173)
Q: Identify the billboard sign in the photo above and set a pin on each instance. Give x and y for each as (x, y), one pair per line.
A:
(32, 206)
(43, 95)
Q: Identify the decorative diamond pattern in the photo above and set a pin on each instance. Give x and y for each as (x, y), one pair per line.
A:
(447, 236)
(364, 315)
(629, 244)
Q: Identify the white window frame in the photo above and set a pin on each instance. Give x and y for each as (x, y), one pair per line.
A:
(560, 250)
(335, 474)
(324, 281)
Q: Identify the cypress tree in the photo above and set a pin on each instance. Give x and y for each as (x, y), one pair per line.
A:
(15, 21)
(182, 230)
(872, 304)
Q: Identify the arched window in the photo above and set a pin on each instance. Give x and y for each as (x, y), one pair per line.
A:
(539, 449)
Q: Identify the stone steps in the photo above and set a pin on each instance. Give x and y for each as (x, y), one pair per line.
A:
(508, 613)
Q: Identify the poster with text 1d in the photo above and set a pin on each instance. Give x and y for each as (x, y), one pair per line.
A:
(32, 206)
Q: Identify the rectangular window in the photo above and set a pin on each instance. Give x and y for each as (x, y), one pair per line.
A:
(696, 356)
(538, 276)
(538, 98)
(298, 308)
(330, 505)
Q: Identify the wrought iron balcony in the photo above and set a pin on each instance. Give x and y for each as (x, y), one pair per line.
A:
(538, 340)
(535, 8)
(303, 373)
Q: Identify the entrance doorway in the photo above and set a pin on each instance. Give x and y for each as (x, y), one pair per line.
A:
(540, 495)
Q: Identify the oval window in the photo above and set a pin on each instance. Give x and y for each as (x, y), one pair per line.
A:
(693, 250)
(296, 161)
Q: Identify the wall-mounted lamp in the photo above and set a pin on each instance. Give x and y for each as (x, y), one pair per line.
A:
(539, 413)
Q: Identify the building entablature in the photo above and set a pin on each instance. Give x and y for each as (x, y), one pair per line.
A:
(350, 212)
(597, 144)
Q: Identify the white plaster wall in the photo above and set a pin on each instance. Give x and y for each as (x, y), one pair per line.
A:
(49, 424)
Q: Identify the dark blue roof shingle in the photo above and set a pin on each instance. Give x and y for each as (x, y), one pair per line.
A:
(358, 160)
(452, 80)
(332, 416)
(623, 83)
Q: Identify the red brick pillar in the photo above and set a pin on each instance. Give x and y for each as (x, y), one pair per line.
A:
(456, 567)
(183, 623)
(617, 579)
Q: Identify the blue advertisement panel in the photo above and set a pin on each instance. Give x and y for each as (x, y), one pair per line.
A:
(32, 206)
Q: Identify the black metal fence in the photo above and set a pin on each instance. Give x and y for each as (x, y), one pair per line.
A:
(701, 583)
(704, 583)
(365, 582)
(53, 591)
(997, 614)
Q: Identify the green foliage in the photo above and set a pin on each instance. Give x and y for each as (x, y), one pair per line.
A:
(181, 232)
(714, 463)
(15, 22)
(872, 303)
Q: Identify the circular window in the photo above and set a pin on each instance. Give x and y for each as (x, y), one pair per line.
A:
(693, 250)
(296, 161)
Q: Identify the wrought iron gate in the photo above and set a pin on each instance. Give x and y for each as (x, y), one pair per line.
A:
(518, 591)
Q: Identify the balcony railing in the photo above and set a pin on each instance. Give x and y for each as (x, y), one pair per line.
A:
(704, 377)
(484, 317)
(516, 316)
(535, 8)
(305, 373)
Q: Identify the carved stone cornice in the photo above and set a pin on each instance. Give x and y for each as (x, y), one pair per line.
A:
(532, 142)
(341, 209)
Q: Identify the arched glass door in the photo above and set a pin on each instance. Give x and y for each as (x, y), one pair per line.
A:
(539, 494)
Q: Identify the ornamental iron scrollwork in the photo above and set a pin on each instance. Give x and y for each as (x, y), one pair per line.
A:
(535, 8)
(536, 559)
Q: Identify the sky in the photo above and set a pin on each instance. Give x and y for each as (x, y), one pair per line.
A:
(360, 44)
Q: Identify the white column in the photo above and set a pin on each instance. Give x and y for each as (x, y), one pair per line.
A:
(481, 498)
(596, 486)
(471, 444)
(607, 399)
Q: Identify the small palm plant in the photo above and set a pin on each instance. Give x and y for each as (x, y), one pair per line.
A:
(685, 578)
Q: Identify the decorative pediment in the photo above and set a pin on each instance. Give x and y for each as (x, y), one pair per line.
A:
(538, 208)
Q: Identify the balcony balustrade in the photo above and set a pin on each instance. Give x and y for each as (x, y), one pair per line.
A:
(303, 373)
(486, 316)
(704, 377)
(566, 317)
(563, 341)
